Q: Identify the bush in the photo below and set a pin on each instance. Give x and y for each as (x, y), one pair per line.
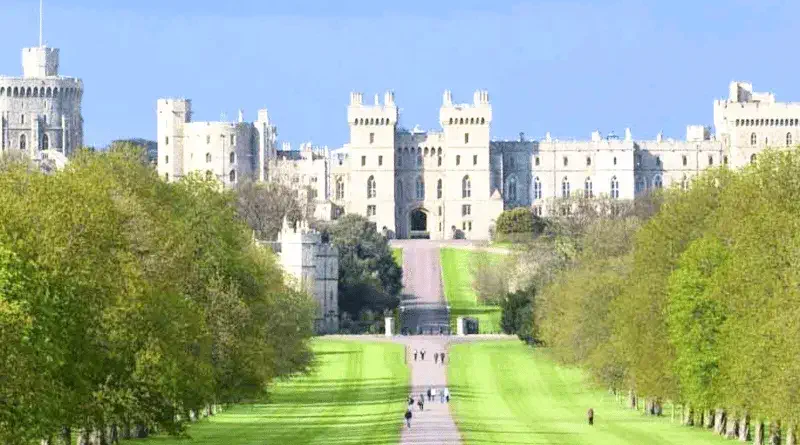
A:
(518, 224)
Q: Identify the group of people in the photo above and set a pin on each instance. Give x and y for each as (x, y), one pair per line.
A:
(444, 397)
(438, 357)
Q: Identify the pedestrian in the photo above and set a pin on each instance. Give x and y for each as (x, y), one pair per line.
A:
(441, 396)
(429, 393)
(590, 415)
(408, 418)
(441, 357)
(421, 403)
(433, 393)
(415, 355)
(422, 355)
(447, 394)
(411, 401)
(435, 357)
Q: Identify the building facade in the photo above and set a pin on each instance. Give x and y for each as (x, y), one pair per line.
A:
(455, 181)
(40, 112)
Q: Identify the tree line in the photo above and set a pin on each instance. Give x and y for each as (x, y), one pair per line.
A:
(696, 306)
(129, 305)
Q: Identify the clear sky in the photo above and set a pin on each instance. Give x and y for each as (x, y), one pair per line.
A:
(568, 67)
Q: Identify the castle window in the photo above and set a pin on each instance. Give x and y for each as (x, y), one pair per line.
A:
(232, 176)
(166, 140)
(753, 139)
(710, 160)
(657, 182)
(537, 188)
(788, 139)
(209, 174)
(21, 118)
(439, 151)
(587, 188)
(472, 120)
(565, 161)
(461, 121)
(419, 161)
(166, 159)
(44, 118)
(685, 160)
(466, 138)
(737, 122)
(658, 161)
(638, 160)
(232, 157)
(466, 210)
(614, 188)
(439, 161)
(440, 210)
(355, 121)
(233, 139)
(420, 189)
(439, 189)
(45, 142)
(615, 160)
(339, 188)
(565, 187)
(16, 92)
(208, 157)
(469, 226)
(371, 187)
(22, 142)
(372, 121)
(466, 187)
(474, 159)
(537, 211)
(35, 92)
(483, 120)
(640, 184)
(766, 141)
(458, 159)
(588, 161)
(536, 161)
(372, 138)
(28, 92)
(511, 163)
(512, 189)
(166, 176)
(380, 160)
(752, 158)
(208, 140)
(363, 161)
(725, 160)
(451, 121)
(426, 151)
(372, 210)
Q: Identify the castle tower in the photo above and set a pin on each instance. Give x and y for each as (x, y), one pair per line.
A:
(372, 153)
(41, 110)
(173, 115)
(267, 134)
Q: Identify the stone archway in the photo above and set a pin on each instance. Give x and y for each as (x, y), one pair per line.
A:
(418, 223)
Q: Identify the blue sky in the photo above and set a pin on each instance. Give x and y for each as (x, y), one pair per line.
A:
(567, 67)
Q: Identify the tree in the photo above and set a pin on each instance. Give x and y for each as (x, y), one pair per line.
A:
(264, 205)
(517, 314)
(518, 224)
(369, 278)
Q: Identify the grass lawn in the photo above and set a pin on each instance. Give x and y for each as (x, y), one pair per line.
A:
(356, 396)
(397, 253)
(505, 392)
(457, 277)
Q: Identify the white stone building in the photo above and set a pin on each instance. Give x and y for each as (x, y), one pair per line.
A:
(40, 112)
(455, 181)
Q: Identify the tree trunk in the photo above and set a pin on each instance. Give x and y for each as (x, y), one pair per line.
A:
(47, 441)
(708, 419)
(139, 431)
(126, 432)
(64, 437)
(744, 427)
(719, 421)
(632, 399)
(688, 415)
(775, 433)
(758, 434)
(790, 439)
(731, 426)
(83, 437)
(658, 409)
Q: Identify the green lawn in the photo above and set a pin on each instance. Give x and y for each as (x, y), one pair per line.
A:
(397, 253)
(505, 392)
(356, 396)
(457, 276)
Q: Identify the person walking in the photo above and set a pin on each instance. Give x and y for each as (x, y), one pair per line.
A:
(441, 396)
(435, 357)
(422, 355)
(429, 393)
(441, 357)
(415, 355)
(410, 401)
(433, 393)
(408, 418)
(421, 403)
(447, 394)
(590, 416)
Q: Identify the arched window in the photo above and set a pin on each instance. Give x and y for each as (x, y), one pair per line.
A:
(45, 142)
(753, 158)
(232, 157)
(483, 120)
(208, 157)
(451, 121)
(587, 188)
(22, 142)
(232, 176)
(512, 189)
(788, 139)
(55, 92)
(35, 92)
(614, 188)
(48, 92)
(371, 191)
(166, 159)
(685, 160)
(684, 183)
(472, 120)
(208, 140)
(566, 161)
(537, 188)
(16, 92)
(461, 121)
(339, 188)
(753, 139)
(21, 118)
(466, 187)
(28, 92)
(588, 161)
(439, 189)
(420, 188)
(565, 187)
(657, 182)
(640, 185)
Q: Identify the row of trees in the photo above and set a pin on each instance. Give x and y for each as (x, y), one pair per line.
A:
(127, 303)
(697, 306)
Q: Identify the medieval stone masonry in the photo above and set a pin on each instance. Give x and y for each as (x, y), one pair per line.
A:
(455, 181)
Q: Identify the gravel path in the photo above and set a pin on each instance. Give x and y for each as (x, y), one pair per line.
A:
(422, 271)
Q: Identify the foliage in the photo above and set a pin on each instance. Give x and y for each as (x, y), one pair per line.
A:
(517, 314)
(126, 300)
(264, 205)
(459, 289)
(518, 224)
(369, 276)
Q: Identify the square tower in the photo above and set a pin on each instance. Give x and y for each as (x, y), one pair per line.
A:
(173, 115)
(372, 149)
